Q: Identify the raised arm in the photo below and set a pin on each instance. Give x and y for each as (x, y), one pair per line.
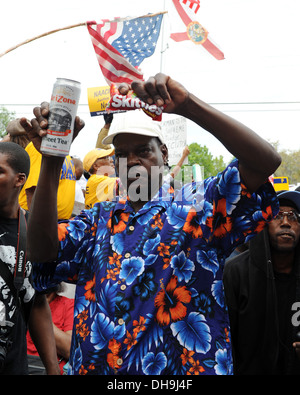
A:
(177, 167)
(42, 238)
(257, 158)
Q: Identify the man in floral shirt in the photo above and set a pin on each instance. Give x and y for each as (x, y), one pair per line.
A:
(149, 296)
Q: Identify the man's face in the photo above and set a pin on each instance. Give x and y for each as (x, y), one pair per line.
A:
(9, 181)
(284, 233)
(104, 166)
(140, 162)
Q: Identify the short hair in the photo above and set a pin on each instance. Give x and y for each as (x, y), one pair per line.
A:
(17, 157)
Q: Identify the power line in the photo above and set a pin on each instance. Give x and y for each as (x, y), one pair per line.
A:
(212, 103)
(216, 104)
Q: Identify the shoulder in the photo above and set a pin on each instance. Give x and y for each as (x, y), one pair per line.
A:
(94, 178)
(35, 156)
(237, 264)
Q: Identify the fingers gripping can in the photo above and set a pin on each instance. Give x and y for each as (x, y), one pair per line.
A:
(62, 112)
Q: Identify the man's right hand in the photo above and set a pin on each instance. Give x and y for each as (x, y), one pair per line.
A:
(161, 90)
(37, 127)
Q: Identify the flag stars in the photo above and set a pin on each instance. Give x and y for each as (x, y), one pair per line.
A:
(138, 38)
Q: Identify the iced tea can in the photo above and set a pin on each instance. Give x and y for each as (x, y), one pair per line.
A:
(62, 112)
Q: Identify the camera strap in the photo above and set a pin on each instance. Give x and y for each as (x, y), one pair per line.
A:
(21, 252)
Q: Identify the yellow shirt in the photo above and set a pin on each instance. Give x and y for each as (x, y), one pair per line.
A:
(66, 187)
(99, 189)
(35, 165)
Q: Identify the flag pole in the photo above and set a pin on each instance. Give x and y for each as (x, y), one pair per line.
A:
(64, 28)
(162, 39)
(42, 35)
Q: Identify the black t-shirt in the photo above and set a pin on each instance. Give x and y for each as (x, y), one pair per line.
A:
(16, 320)
(288, 362)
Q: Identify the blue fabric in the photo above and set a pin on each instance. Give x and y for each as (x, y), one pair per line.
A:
(149, 296)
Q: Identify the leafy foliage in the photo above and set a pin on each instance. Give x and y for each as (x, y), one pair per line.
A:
(5, 117)
(289, 167)
(201, 155)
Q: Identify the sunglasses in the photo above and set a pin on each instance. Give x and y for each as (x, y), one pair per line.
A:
(292, 216)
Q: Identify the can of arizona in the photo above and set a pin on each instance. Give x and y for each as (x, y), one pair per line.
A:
(62, 112)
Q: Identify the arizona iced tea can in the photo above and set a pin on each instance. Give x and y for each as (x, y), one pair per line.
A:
(62, 112)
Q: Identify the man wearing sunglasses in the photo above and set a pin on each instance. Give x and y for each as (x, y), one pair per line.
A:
(262, 289)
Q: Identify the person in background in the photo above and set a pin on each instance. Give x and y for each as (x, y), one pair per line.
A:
(149, 295)
(62, 310)
(66, 190)
(262, 289)
(108, 118)
(171, 172)
(79, 188)
(23, 309)
(16, 134)
(101, 185)
(78, 167)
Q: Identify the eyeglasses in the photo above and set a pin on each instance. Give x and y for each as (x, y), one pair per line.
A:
(292, 216)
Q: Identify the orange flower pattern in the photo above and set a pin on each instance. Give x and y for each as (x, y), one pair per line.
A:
(149, 296)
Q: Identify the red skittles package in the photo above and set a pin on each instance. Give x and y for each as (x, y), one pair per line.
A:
(119, 102)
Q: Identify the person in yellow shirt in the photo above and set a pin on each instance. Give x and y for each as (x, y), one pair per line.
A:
(66, 189)
(101, 186)
(108, 118)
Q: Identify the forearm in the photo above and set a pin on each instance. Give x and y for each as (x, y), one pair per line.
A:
(258, 159)
(63, 342)
(103, 133)
(29, 195)
(42, 239)
(41, 332)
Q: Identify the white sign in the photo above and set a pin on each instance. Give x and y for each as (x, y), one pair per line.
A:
(174, 131)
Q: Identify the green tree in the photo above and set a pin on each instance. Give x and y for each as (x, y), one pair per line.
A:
(5, 117)
(201, 155)
(289, 167)
(289, 164)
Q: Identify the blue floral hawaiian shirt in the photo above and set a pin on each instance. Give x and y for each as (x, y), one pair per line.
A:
(149, 296)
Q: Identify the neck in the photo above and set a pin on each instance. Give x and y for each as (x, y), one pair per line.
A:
(10, 211)
(137, 205)
(283, 261)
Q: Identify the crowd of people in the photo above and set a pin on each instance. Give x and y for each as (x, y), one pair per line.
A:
(147, 255)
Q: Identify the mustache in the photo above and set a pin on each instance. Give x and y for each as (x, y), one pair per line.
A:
(286, 232)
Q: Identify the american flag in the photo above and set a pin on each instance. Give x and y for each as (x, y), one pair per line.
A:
(122, 44)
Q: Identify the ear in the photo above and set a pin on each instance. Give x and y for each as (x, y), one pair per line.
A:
(94, 168)
(20, 179)
(165, 153)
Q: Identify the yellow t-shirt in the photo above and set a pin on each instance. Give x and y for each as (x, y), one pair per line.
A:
(66, 187)
(99, 189)
(35, 165)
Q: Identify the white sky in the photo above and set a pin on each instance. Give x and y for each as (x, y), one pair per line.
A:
(258, 83)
